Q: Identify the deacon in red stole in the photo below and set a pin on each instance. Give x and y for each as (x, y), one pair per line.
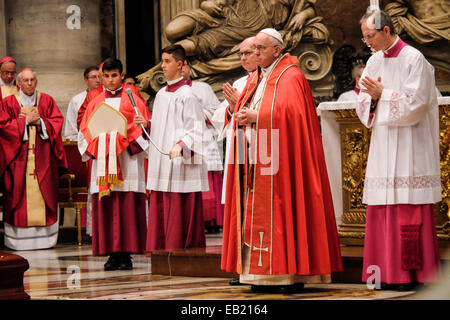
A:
(32, 153)
(117, 182)
(279, 229)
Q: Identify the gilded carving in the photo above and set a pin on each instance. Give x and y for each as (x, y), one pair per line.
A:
(355, 141)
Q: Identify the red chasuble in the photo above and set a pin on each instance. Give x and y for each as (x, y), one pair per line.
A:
(291, 227)
(133, 132)
(49, 153)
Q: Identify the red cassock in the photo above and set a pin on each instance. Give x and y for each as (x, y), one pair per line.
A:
(118, 218)
(94, 93)
(49, 153)
(290, 224)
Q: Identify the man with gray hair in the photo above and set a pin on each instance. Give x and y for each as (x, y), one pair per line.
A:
(32, 152)
(352, 95)
(398, 101)
(279, 227)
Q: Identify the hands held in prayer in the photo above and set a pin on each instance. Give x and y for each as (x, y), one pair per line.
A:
(32, 116)
(138, 120)
(175, 151)
(246, 116)
(373, 87)
(230, 94)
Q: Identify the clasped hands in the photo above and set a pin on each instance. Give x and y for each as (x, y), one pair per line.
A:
(32, 116)
(246, 116)
(373, 87)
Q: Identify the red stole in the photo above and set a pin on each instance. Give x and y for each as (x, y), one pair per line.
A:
(133, 132)
(292, 225)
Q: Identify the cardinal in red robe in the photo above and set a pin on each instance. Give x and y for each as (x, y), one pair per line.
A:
(279, 226)
(30, 130)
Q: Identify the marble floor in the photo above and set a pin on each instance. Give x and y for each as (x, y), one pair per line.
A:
(69, 272)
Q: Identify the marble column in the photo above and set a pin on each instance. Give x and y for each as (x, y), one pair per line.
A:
(57, 39)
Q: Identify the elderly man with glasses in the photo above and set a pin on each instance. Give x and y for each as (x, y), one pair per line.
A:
(279, 227)
(7, 77)
(398, 101)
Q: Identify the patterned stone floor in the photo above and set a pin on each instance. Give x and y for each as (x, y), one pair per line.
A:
(69, 272)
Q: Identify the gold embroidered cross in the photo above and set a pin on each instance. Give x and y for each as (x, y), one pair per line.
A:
(261, 235)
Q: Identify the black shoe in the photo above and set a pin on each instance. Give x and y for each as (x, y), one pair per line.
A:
(125, 262)
(112, 263)
(236, 282)
(293, 288)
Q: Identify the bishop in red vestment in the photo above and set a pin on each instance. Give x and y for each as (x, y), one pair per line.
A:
(279, 226)
(30, 129)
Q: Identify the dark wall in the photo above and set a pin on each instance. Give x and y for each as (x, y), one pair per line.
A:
(139, 24)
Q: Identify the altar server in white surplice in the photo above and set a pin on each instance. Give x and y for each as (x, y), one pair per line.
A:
(398, 101)
(177, 173)
(92, 80)
(232, 94)
(212, 206)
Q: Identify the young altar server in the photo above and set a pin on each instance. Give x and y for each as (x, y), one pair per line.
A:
(177, 173)
(117, 174)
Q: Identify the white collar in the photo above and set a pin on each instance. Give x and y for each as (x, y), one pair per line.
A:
(26, 100)
(395, 42)
(3, 83)
(114, 92)
(171, 82)
(269, 69)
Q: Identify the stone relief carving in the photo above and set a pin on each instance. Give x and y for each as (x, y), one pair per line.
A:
(427, 23)
(211, 35)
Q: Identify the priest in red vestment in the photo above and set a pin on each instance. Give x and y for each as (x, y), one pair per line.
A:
(30, 130)
(7, 77)
(117, 182)
(279, 227)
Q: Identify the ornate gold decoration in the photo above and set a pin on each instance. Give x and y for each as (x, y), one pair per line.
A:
(355, 141)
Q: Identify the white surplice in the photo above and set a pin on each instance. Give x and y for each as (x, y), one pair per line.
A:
(71, 128)
(350, 95)
(177, 116)
(132, 166)
(210, 103)
(218, 121)
(403, 162)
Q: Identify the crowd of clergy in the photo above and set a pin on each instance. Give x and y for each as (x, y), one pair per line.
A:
(252, 164)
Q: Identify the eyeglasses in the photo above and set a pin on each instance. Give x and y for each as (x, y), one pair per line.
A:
(369, 37)
(262, 48)
(11, 73)
(245, 53)
(94, 77)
